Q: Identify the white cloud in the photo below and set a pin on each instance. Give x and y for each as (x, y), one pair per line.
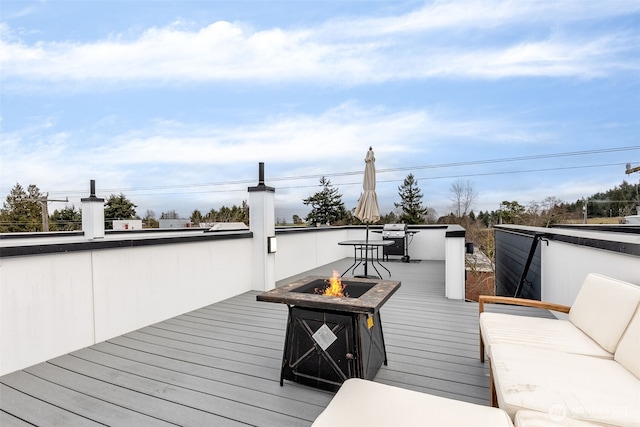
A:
(279, 139)
(190, 155)
(22, 13)
(460, 16)
(340, 133)
(345, 52)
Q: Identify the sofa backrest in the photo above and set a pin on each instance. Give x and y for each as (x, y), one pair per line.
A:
(628, 351)
(603, 309)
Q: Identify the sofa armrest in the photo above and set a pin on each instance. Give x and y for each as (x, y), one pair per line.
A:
(490, 299)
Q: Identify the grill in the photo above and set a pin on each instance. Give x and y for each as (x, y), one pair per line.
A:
(398, 234)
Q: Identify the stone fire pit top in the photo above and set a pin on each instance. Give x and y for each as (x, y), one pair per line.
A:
(369, 302)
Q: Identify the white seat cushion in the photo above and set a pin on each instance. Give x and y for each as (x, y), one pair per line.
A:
(585, 388)
(603, 309)
(367, 403)
(538, 419)
(628, 352)
(553, 334)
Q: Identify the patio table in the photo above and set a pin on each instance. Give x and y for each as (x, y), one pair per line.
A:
(361, 249)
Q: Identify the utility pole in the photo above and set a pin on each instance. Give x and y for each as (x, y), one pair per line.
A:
(44, 204)
(631, 170)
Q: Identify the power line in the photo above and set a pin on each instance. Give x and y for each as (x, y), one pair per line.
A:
(523, 158)
(380, 181)
(467, 163)
(473, 174)
(379, 171)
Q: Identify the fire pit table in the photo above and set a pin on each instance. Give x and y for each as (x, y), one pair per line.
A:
(332, 338)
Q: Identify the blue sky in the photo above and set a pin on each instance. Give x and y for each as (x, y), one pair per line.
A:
(175, 103)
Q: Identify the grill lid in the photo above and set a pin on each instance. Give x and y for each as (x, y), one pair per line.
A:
(394, 230)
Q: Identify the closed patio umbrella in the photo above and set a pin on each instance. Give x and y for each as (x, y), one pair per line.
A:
(367, 209)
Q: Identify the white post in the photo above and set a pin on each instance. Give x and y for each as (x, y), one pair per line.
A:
(93, 215)
(263, 226)
(454, 264)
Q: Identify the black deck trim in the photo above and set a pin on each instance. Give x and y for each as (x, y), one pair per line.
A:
(92, 245)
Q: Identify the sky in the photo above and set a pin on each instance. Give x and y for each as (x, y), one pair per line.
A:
(174, 103)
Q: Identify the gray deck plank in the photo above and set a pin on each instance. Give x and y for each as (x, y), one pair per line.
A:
(229, 387)
(92, 409)
(207, 337)
(15, 401)
(207, 370)
(177, 341)
(220, 364)
(187, 392)
(187, 353)
(8, 420)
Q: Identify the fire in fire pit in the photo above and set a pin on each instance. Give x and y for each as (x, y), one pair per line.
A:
(332, 338)
(335, 287)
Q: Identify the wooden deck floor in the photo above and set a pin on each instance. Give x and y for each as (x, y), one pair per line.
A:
(220, 365)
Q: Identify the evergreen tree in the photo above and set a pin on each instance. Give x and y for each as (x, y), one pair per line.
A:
(411, 202)
(511, 212)
(390, 218)
(67, 219)
(196, 217)
(226, 214)
(618, 201)
(21, 211)
(326, 205)
(118, 207)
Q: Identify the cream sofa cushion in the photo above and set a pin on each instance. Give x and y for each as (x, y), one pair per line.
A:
(367, 403)
(538, 419)
(628, 352)
(585, 388)
(603, 309)
(553, 334)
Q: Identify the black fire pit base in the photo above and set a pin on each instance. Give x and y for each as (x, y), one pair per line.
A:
(324, 348)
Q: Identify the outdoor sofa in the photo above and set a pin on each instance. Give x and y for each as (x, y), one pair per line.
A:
(366, 403)
(580, 372)
(573, 372)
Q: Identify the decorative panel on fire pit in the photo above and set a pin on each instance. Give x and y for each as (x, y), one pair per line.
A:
(319, 359)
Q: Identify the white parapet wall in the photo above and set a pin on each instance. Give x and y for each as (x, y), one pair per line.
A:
(64, 297)
(46, 307)
(428, 243)
(565, 266)
(303, 249)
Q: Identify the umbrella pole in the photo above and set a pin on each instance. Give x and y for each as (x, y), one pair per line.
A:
(366, 251)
